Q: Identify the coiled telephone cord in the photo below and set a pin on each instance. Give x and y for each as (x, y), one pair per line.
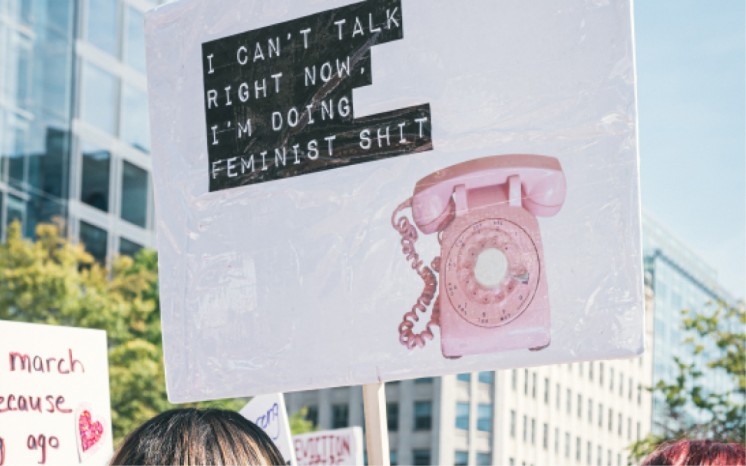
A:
(407, 336)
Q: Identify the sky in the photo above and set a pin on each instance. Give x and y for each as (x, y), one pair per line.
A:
(691, 75)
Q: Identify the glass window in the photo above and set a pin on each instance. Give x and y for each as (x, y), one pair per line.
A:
(312, 415)
(464, 377)
(340, 415)
(487, 377)
(556, 440)
(128, 248)
(600, 415)
(393, 458)
(134, 118)
(578, 447)
(484, 417)
(424, 380)
(134, 45)
(525, 428)
(134, 194)
(421, 457)
(99, 90)
(588, 453)
(94, 239)
(525, 381)
(16, 211)
(567, 444)
(512, 423)
(423, 415)
(461, 458)
(484, 459)
(590, 410)
(514, 379)
(101, 25)
(546, 390)
(462, 415)
(533, 385)
(533, 431)
(94, 186)
(568, 401)
(392, 416)
(545, 436)
(580, 406)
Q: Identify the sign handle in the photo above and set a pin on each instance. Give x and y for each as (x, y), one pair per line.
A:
(376, 428)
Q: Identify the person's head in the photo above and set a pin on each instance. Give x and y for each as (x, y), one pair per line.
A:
(697, 452)
(195, 436)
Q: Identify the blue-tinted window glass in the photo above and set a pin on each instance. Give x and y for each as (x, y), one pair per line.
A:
(340, 416)
(101, 25)
(134, 194)
(464, 377)
(484, 459)
(393, 458)
(461, 458)
(392, 416)
(134, 48)
(487, 377)
(423, 415)
(424, 380)
(421, 457)
(484, 417)
(94, 188)
(94, 239)
(128, 248)
(462, 415)
(135, 118)
(99, 98)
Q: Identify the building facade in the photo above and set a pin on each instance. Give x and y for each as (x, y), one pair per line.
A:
(679, 280)
(583, 413)
(74, 140)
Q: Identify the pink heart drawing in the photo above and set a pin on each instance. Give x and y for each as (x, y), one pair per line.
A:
(90, 432)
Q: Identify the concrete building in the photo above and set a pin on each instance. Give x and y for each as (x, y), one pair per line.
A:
(584, 413)
(73, 121)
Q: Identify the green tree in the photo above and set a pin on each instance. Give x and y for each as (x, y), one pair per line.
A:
(718, 415)
(53, 281)
(299, 423)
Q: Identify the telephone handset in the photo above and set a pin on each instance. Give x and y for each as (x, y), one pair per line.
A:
(493, 290)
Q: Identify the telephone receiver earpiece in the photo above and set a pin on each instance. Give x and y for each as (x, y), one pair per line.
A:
(542, 186)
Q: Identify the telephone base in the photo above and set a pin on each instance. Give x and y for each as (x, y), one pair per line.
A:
(539, 348)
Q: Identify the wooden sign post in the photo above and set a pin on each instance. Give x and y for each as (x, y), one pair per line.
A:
(376, 428)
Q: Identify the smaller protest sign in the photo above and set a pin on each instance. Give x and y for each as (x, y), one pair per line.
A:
(269, 413)
(329, 447)
(54, 395)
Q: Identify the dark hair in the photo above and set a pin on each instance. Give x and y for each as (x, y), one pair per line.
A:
(196, 436)
(697, 452)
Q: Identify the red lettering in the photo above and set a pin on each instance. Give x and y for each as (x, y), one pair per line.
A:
(49, 368)
(50, 401)
(11, 399)
(2, 451)
(74, 361)
(58, 404)
(2, 401)
(24, 359)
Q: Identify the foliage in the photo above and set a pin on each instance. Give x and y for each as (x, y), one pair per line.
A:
(53, 281)
(299, 423)
(720, 415)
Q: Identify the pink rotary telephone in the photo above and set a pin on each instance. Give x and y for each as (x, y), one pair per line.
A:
(493, 286)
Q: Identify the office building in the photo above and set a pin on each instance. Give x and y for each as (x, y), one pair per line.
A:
(679, 280)
(74, 123)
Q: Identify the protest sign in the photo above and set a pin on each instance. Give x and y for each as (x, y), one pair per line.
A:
(330, 447)
(356, 192)
(54, 395)
(269, 413)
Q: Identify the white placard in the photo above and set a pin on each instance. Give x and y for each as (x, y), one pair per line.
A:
(269, 413)
(330, 447)
(303, 151)
(54, 395)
